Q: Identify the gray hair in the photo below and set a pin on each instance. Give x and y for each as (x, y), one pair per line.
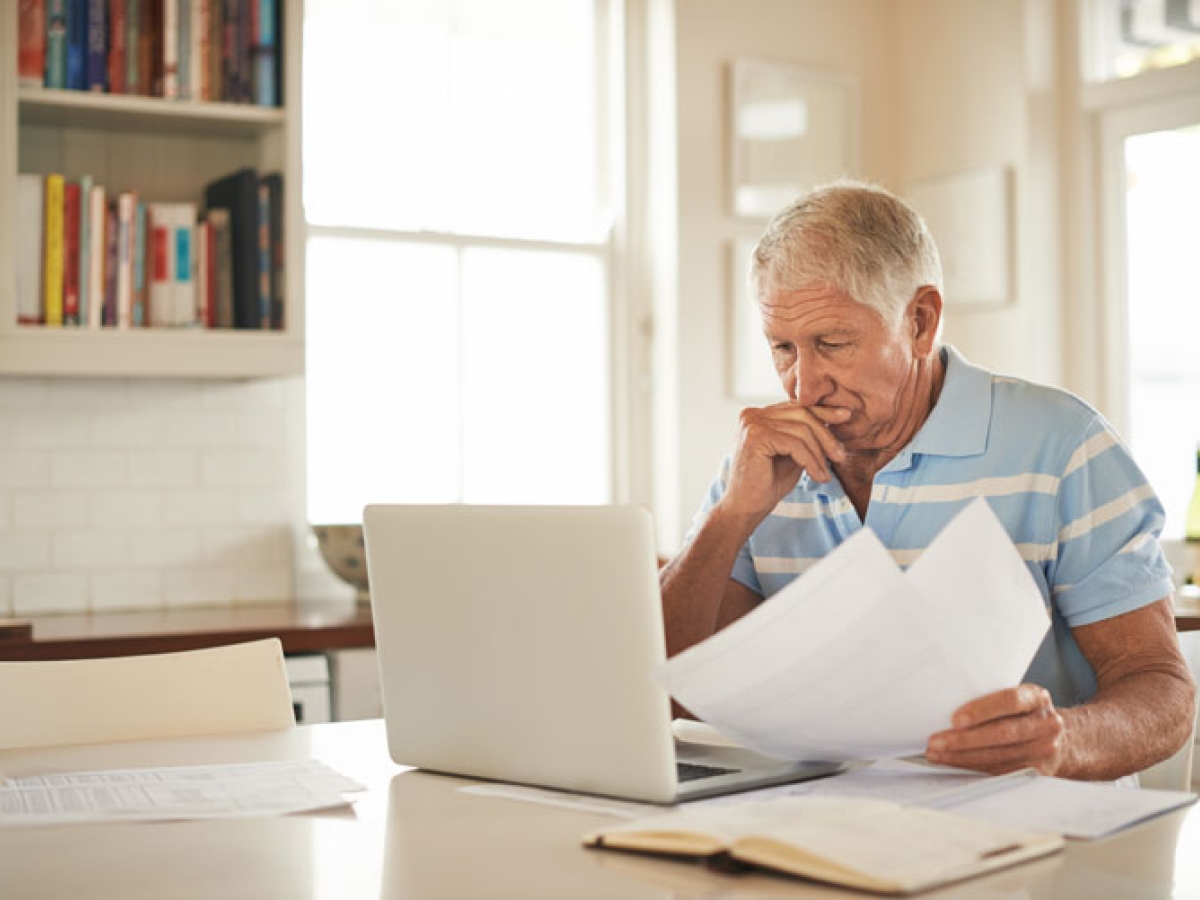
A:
(850, 236)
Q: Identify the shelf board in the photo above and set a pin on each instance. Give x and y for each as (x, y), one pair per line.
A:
(84, 109)
(150, 352)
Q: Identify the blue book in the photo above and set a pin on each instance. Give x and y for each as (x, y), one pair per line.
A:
(77, 42)
(56, 43)
(97, 45)
(263, 53)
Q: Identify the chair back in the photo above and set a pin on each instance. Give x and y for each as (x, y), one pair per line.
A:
(218, 690)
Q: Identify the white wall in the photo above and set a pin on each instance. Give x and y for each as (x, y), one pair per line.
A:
(844, 36)
(130, 493)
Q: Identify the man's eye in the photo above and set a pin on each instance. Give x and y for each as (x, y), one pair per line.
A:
(782, 348)
(832, 345)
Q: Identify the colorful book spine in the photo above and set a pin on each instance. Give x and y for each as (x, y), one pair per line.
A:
(160, 252)
(263, 48)
(71, 218)
(108, 318)
(31, 43)
(204, 304)
(184, 287)
(77, 40)
(98, 213)
(140, 282)
(216, 43)
(183, 30)
(52, 276)
(118, 47)
(264, 255)
(133, 42)
(197, 42)
(56, 43)
(85, 247)
(204, 16)
(31, 205)
(170, 49)
(222, 252)
(126, 204)
(96, 78)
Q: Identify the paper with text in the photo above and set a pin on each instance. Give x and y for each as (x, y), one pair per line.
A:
(858, 660)
(177, 792)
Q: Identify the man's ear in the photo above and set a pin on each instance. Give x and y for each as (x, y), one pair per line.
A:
(924, 317)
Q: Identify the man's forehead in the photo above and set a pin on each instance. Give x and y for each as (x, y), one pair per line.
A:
(812, 303)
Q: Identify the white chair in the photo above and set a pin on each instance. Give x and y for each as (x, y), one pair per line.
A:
(218, 690)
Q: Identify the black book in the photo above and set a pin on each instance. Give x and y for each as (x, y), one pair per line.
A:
(238, 193)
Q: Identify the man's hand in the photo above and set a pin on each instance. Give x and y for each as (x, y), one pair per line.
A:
(1001, 732)
(775, 445)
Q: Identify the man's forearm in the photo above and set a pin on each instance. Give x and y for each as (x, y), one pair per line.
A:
(1129, 725)
(694, 582)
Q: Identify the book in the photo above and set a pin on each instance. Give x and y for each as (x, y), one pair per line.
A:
(31, 43)
(264, 255)
(84, 255)
(108, 313)
(31, 191)
(52, 274)
(222, 262)
(263, 42)
(140, 282)
(118, 47)
(170, 50)
(183, 225)
(96, 74)
(56, 43)
(71, 217)
(160, 299)
(238, 193)
(273, 182)
(126, 206)
(97, 255)
(77, 43)
(872, 845)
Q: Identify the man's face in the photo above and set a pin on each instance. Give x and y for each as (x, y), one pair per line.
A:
(834, 352)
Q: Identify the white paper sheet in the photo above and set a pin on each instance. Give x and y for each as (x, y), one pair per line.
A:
(858, 660)
(177, 792)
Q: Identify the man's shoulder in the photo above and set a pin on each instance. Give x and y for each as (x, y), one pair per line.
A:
(1029, 404)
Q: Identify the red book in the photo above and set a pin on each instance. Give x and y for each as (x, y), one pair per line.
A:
(118, 48)
(31, 43)
(71, 248)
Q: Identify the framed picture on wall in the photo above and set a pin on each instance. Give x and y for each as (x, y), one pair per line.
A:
(970, 217)
(790, 129)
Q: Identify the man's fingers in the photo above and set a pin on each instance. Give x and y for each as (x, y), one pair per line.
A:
(1024, 698)
(1040, 755)
(1008, 731)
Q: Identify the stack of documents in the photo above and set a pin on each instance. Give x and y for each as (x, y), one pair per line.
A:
(180, 792)
(858, 660)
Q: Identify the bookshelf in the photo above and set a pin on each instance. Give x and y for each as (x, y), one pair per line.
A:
(167, 150)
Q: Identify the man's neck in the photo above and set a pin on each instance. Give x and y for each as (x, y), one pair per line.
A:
(857, 473)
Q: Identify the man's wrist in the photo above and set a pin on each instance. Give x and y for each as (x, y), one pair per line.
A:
(734, 523)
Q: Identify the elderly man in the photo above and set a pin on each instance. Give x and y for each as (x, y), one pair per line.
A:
(885, 427)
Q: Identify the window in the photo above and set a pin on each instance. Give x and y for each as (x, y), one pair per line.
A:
(458, 249)
(1128, 37)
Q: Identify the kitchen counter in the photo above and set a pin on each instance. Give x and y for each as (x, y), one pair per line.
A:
(302, 628)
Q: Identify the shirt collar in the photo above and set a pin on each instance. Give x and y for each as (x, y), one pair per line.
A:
(959, 422)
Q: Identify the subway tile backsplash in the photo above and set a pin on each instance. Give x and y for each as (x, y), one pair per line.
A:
(136, 494)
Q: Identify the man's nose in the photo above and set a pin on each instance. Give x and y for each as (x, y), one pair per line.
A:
(812, 382)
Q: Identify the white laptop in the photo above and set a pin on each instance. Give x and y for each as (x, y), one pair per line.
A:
(517, 644)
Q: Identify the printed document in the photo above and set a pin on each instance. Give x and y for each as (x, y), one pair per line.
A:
(859, 660)
(178, 792)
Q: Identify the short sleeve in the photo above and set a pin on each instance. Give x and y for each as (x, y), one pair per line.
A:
(1108, 558)
(743, 567)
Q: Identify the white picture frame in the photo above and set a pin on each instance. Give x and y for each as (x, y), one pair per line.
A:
(751, 373)
(790, 129)
(970, 215)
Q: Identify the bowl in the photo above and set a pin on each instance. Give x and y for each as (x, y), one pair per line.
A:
(343, 550)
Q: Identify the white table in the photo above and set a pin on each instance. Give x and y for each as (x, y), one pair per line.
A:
(414, 835)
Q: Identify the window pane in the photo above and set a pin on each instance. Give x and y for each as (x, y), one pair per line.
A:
(535, 378)
(382, 376)
(472, 116)
(376, 120)
(524, 128)
(1162, 209)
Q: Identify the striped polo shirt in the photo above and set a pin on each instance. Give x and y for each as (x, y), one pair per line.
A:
(1056, 474)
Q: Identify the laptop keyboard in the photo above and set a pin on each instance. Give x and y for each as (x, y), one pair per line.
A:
(692, 771)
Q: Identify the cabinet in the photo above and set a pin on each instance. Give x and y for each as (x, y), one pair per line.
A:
(167, 150)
